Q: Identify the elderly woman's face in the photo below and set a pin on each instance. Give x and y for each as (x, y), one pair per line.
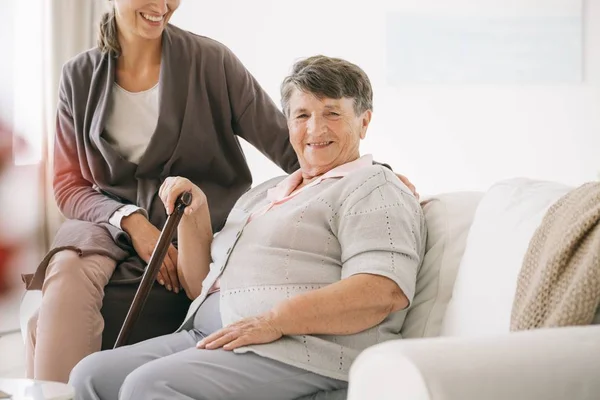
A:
(325, 133)
(144, 18)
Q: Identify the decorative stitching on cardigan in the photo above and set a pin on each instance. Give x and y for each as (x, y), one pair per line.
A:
(326, 248)
(306, 348)
(287, 256)
(389, 231)
(276, 288)
(419, 209)
(385, 207)
(352, 192)
(322, 200)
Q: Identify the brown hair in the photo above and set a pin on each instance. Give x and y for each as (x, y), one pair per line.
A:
(329, 77)
(108, 38)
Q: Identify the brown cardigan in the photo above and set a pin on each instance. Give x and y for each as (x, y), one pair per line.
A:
(207, 100)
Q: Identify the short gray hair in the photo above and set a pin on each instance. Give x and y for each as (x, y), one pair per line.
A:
(327, 77)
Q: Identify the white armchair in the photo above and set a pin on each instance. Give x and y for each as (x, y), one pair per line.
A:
(549, 364)
(457, 344)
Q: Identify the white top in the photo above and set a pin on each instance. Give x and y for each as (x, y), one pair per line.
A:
(131, 122)
(123, 212)
(132, 119)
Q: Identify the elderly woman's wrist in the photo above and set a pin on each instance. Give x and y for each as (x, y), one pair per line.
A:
(198, 220)
(201, 213)
(277, 319)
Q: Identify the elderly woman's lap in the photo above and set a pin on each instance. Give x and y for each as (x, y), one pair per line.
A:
(171, 367)
(101, 375)
(221, 374)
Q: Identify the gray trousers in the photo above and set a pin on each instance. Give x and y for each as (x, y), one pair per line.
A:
(170, 367)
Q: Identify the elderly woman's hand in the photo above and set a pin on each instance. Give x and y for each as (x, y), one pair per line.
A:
(254, 330)
(174, 186)
(171, 188)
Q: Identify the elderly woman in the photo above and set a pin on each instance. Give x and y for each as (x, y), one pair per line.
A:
(312, 268)
(149, 102)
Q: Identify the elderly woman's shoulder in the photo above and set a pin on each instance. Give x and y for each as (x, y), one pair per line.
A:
(366, 181)
(374, 176)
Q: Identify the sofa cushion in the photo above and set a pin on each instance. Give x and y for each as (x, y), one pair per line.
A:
(504, 223)
(448, 218)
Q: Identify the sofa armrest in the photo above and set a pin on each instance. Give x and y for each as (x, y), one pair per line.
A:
(549, 364)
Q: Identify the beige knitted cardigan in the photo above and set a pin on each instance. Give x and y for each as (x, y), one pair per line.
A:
(559, 282)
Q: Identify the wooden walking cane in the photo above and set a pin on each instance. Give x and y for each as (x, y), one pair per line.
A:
(156, 260)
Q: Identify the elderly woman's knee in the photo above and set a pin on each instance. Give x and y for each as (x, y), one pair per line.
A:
(144, 382)
(87, 370)
(151, 381)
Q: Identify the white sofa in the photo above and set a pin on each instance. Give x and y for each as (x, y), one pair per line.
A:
(457, 344)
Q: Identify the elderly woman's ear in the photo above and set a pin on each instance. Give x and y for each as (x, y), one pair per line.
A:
(366, 120)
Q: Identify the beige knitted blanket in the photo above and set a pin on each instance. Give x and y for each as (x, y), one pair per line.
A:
(559, 282)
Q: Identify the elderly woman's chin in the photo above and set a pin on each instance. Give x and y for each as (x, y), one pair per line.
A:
(318, 165)
(321, 156)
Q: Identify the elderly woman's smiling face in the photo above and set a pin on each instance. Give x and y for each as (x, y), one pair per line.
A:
(325, 132)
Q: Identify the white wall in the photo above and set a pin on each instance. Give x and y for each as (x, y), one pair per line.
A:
(444, 137)
(6, 65)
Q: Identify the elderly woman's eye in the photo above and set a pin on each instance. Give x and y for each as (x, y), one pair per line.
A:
(334, 114)
(300, 116)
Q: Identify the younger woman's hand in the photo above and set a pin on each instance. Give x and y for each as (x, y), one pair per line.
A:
(144, 237)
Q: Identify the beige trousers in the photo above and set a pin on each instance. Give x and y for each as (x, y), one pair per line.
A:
(68, 326)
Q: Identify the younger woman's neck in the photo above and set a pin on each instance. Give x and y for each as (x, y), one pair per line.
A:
(139, 54)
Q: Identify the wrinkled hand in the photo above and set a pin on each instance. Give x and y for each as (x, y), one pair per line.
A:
(254, 330)
(409, 184)
(144, 237)
(174, 186)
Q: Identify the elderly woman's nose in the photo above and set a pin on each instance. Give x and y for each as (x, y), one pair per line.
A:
(316, 124)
